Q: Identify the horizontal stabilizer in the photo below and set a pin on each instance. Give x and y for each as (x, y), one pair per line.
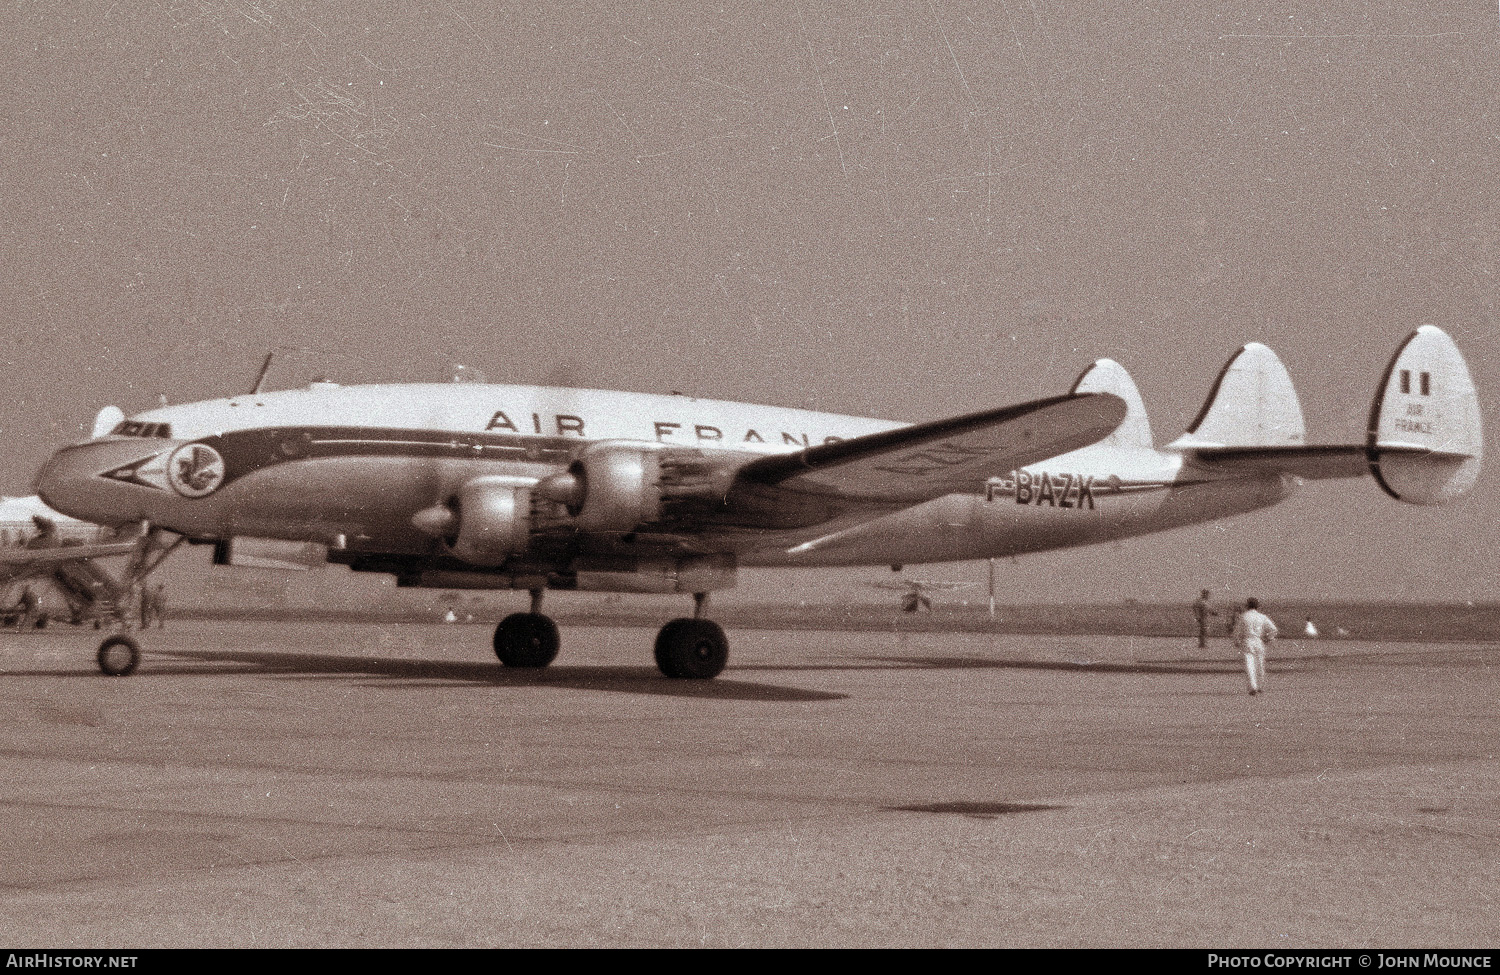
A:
(1426, 444)
(1313, 463)
(928, 460)
(1252, 404)
(1108, 376)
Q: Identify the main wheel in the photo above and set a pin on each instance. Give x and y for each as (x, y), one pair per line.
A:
(692, 649)
(119, 655)
(526, 640)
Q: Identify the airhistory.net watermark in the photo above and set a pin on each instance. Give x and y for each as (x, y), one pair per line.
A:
(49, 959)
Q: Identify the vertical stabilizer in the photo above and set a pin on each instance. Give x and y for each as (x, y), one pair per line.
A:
(1108, 376)
(1252, 404)
(1426, 444)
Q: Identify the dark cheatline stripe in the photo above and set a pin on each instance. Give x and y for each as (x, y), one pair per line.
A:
(248, 451)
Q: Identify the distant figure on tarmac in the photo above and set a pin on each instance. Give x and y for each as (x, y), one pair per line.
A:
(154, 606)
(29, 609)
(1310, 629)
(1202, 612)
(1254, 631)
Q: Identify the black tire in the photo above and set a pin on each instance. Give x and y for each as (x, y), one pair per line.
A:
(119, 655)
(692, 649)
(526, 640)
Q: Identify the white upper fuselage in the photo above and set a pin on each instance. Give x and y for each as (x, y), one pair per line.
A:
(546, 411)
(384, 452)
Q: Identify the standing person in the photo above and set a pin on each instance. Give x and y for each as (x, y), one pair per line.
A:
(1202, 613)
(159, 605)
(30, 606)
(1254, 631)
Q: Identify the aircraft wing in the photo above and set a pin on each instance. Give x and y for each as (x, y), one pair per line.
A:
(17, 557)
(928, 460)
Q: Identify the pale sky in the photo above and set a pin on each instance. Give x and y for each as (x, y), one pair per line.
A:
(894, 210)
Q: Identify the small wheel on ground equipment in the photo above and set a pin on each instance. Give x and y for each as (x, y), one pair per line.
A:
(119, 655)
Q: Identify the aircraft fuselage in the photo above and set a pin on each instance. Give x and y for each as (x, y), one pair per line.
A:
(351, 466)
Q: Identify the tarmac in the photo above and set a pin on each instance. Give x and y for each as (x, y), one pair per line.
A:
(364, 785)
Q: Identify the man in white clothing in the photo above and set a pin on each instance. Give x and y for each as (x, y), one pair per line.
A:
(1253, 633)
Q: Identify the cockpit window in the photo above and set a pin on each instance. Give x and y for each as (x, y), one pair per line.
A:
(135, 428)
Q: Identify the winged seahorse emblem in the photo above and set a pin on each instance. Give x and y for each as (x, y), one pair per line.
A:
(195, 470)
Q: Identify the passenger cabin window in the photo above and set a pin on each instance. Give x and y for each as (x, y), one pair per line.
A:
(135, 428)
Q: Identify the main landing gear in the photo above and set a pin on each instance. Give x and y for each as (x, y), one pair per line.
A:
(695, 648)
(692, 649)
(527, 639)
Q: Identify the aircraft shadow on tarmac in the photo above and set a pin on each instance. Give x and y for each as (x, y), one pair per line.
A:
(629, 680)
(1423, 657)
(976, 810)
(1084, 666)
(996, 663)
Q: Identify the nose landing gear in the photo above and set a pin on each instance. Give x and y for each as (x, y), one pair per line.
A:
(120, 654)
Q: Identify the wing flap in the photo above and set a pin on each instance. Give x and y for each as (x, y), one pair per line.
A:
(928, 460)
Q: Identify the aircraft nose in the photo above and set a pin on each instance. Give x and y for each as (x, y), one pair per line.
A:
(95, 481)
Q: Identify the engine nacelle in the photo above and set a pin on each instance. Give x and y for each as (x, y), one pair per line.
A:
(611, 487)
(491, 519)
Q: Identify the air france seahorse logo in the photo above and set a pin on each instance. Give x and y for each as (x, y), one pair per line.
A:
(195, 470)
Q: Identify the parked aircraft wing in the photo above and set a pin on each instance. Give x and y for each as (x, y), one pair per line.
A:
(928, 460)
(907, 585)
(62, 553)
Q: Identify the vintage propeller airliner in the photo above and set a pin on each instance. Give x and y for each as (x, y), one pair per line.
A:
(537, 488)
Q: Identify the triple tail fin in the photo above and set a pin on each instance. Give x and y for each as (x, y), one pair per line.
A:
(1252, 404)
(1108, 376)
(1425, 444)
(106, 420)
